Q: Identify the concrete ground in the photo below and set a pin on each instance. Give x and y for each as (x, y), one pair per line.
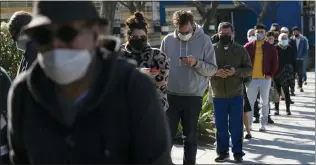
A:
(291, 140)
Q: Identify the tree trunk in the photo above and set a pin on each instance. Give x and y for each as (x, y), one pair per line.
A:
(209, 16)
(108, 11)
(263, 12)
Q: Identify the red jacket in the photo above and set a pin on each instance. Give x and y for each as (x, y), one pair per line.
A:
(270, 57)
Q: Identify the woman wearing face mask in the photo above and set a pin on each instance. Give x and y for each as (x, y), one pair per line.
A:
(284, 76)
(150, 60)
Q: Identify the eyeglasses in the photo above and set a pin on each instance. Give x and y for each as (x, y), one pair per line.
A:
(44, 35)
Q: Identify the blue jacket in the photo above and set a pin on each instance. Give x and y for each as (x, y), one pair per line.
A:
(302, 48)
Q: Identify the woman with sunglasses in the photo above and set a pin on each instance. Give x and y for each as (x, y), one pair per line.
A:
(149, 60)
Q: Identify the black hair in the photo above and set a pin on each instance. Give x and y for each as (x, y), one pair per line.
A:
(260, 26)
(296, 28)
(225, 25)
(270, 33)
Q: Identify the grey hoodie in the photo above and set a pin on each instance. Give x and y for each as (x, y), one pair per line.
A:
(184, 80)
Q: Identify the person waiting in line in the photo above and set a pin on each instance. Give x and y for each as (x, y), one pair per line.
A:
(17, 21)
(78, 104)
(301, 53)
(192, 62)
(227, 84)
(5, 83)
(284, 76)
(264, 58)
(251, 36)
(149, 60)
(270, 37)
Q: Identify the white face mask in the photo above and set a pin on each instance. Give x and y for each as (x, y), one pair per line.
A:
(185, 37)
(252, 38)
(65, 66)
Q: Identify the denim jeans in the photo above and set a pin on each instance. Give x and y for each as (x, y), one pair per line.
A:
(186, 108)
(261, 86)
(228, 115)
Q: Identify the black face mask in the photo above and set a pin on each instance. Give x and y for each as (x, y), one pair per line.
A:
(138, 43)
(296, 35)
(225, 39)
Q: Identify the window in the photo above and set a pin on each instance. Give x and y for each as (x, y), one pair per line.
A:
(4, 4)
(29, 4)
(17, 4)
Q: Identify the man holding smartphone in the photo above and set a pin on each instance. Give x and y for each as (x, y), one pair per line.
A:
(234, 66)
(192, 62)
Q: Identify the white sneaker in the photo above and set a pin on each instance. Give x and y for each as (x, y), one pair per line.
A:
(262, 129)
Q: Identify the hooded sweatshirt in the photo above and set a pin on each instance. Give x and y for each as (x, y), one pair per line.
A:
(185, 80)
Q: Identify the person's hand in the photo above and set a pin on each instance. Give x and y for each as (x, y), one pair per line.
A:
(221, 73)
(191, 60)
(148, 71)
(268, 77)
(230, 72)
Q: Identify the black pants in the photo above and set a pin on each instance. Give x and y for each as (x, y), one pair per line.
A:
(299, 64)
(186, 108)
(300, 79)
(286, 94)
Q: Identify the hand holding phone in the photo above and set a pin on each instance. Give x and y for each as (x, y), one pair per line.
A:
(227, 67)
(150, 71)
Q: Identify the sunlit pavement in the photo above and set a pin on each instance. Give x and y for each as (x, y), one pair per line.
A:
(291, 140)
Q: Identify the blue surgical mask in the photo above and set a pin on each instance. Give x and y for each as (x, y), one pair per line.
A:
(285, 42)
(260, 36)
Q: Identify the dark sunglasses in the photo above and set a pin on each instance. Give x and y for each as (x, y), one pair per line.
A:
(44, 35)
(138, 37)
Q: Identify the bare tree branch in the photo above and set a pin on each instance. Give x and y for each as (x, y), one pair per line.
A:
(199, 7)
(108, 12)
(133, 6)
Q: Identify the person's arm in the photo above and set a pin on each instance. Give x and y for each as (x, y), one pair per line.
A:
(162, 77)
(18, 154)
(150, 136)
(208, 67)
(162, 46)
(245, 69)
(274, 61)
(305, 49)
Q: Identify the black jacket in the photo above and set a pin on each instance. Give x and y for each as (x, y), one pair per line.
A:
(5, 83)
(28, 58)
(286, 57)
(121, 121)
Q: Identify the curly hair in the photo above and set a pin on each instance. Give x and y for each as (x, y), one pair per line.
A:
(182, 17)
(137, 21)
(17, 21)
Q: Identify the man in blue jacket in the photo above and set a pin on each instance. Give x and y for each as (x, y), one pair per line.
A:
(302, 52)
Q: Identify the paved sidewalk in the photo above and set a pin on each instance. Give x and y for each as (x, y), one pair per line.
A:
(291, 140)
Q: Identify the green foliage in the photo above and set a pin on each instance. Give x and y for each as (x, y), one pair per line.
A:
(10, 56)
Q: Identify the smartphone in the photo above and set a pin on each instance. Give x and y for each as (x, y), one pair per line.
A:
(228, 67)
(183, 58)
